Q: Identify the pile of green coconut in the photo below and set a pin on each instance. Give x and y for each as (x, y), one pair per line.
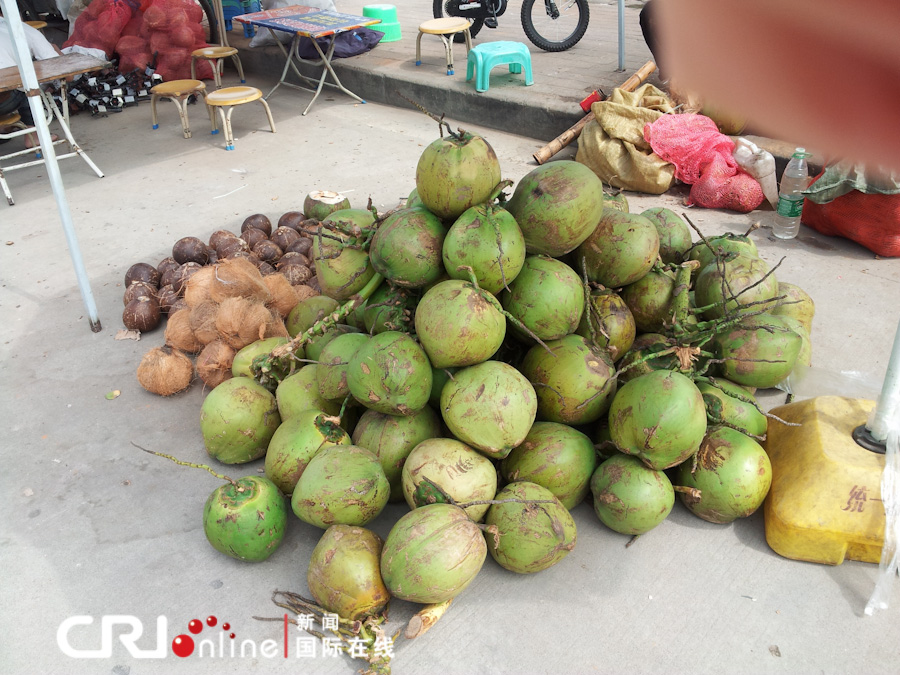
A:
(493, 354)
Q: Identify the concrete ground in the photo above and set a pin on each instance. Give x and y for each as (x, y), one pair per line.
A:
(95, 527)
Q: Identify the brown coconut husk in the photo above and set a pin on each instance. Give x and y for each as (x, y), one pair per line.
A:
(238, 278)
(196, 290)
(203, 321)
(165, 371)
(276, 327)
(303, 292)
(240, 321)
(214, 363)
(179, 333)
(284, 297)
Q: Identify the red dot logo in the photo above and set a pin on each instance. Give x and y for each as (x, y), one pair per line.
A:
(226, 626)
(195, 626)
(211, 621)
(183, 646)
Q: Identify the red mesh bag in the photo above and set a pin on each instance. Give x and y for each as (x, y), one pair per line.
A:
(870, 220)
(702, 156)
(100, 25)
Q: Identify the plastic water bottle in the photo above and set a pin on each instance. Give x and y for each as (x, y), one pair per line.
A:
(794, 181)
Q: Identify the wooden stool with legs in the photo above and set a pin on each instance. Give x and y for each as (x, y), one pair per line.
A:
(179, 91)
(226, 99)
(216, 54)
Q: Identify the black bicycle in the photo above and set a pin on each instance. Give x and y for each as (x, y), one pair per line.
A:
(552, 25)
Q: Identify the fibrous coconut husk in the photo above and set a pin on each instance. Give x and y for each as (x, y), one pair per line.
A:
(284, 297)
(276, 327)
(238, 278)
(303, 292)
(165, 371)
(196, 290)
(240, 321)
(214, 363)
(179, 333)
(203, 321)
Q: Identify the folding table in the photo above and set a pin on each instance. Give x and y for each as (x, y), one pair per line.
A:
(47, 70)
(312, 23)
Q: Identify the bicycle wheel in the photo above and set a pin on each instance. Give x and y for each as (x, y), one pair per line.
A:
(439, 9)
(213, 25)
(555, 25)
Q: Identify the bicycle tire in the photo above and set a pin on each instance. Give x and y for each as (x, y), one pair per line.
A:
(439, 9)
(207, 8)
(555, 35)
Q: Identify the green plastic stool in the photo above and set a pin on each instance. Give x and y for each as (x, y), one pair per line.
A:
(482, 58)
(389, 24)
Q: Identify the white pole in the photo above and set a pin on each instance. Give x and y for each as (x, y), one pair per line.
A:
(621, 35)
(887, 411)
(32, 88)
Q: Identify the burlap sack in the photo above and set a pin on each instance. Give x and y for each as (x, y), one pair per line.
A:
(613, 146)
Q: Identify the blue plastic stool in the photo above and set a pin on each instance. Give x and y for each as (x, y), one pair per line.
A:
(233, 8)
(482, 58)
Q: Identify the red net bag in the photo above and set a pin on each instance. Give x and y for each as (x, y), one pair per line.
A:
(101, 25)
(702, 156)
(870, 220)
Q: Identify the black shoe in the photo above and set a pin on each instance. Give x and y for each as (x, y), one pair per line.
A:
(490, 22)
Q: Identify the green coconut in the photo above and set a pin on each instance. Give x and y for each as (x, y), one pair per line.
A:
(490, 406)
(317, 343)
(607, 322)
(307, 312)
(557, 205)
(487, 239)
(458, 325)
(722, 246)
(575, 381)
(244, 358)
(732, 473)
(393, 437)
(455, 469)
(300, 391)
(547, 297)
(660, 417)
(237, 420)
(554, 456)
(620, 250)
(797, 304)
(431, 554)
(738, 283)
(674, 234)
(320, 204)
(342, 263)
(759, 352)
(296, 442)
(455, 173)
(390, 308)
(344, 575)
(650, 300)
(391, 374)
(320, 497)
(406, 248)
(333, 362)
(649, 352)
(245, 519)
(728, 403)
(630, 497)
(532, 536)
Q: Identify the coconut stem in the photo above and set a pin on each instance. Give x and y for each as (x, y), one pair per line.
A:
(425, 618)
(195, 466)
(681, 294)
(694, 493)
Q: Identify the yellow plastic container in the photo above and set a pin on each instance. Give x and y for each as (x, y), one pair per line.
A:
(825, 501)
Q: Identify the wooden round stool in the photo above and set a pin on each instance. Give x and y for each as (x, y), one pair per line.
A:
(445, 29)
(37, 25)
(225, 100)
(178, 91)
(216, 54)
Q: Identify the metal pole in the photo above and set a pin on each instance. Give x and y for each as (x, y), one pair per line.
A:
(887, 411)
(621, 35)
(36, 104)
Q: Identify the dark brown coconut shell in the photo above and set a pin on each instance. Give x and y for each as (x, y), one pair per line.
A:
(228, 247)
(313, 283)
(219, 236)
(309, 227)
(170, 276)
(296, 274)
(291, 258)
(213, 256)
(302, 245)
(214, 363)
(203, 321)
(253, 236)
(238, 278)
(165, 265)
(259, 221)
(144, 272)
(291, 219)
(284, 237)
(267, 251)
(178, 304)
(137, 289)
(179, 333)
(190, 249)
(165, 371)
(185, 272)
(167, 297)
(266, 269)
(141, 314)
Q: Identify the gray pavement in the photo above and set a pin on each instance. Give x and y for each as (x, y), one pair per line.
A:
(94, 527)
